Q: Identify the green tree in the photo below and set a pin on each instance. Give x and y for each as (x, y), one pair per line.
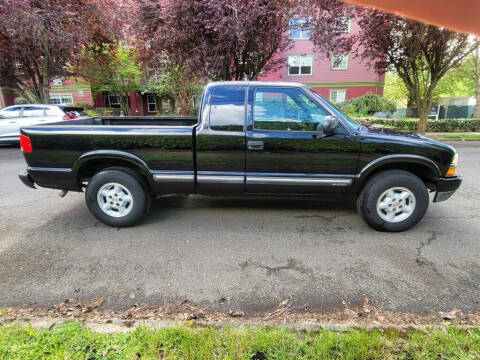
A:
(395, 89)
(179, 86)
(467, 76)
(458, 82)
(112, 69)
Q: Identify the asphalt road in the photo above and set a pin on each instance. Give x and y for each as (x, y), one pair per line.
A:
(244, 254)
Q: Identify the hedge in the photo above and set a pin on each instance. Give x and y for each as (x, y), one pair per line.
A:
(445, 125)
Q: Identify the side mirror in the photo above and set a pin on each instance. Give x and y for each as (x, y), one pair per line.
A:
(330, 124)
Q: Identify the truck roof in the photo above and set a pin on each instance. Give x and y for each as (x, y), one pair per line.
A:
(267, 83)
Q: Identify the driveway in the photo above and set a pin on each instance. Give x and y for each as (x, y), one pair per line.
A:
(244, 254)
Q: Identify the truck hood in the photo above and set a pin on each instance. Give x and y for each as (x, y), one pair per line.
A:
(391, 135)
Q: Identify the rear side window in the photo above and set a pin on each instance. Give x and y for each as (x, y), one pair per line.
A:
(54, 111)
(227, 108)
(34, 111)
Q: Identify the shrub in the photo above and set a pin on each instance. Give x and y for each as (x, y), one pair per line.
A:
(20, 100)
(91, 113)
(82, 105)
(445, 125)
(367, 104)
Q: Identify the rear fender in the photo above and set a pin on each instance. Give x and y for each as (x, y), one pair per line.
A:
(111, 155)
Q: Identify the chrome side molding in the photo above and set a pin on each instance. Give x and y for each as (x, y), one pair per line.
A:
(174, 177)
(276, 180)
(236, 178)
(220, 179)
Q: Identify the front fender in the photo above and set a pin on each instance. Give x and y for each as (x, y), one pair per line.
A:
(403, 159)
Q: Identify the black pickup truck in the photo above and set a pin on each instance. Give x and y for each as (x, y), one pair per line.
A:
(249, 138)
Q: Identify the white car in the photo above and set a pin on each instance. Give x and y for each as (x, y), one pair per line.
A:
(12, 118)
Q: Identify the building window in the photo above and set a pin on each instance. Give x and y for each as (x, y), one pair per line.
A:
(339, 62)
(61, 99)
(197, 101)
(300, 64)
(151, 103)
(338, 96)
(114, 101)
(346, 24)
(299, 30)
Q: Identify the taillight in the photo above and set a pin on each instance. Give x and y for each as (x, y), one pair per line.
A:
(69, 116)
(25, 144)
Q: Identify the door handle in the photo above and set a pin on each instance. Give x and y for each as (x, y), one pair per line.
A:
(255, 145)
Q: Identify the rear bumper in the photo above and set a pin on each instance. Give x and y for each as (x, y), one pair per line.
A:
(446, 187)
(53, 178)
(27, 179)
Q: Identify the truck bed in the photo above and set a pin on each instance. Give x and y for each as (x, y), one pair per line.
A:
(65, 152)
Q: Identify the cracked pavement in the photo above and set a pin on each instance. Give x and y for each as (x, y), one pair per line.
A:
(241, 254)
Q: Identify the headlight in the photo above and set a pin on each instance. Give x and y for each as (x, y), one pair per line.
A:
(452, 170)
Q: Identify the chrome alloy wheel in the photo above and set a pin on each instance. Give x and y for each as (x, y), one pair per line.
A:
(115, 200)
(396, 204)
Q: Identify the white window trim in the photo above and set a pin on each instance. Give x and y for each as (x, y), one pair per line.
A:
(302, 31)
(339, 68)
(301, 55)
(349, 26)
(60, 96)
(150, 103)
(330, 95)
(115, 103)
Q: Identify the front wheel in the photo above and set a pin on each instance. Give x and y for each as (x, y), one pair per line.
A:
(116, 198)
(393, 200)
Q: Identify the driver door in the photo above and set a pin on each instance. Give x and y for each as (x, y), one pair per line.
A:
(287, 151)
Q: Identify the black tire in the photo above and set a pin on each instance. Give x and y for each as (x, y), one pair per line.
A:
(141, 198)
(140, 179)
(377, 185)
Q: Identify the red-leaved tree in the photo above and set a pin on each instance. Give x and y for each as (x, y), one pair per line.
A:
(421, 54)
(217, 39)
(40, 38)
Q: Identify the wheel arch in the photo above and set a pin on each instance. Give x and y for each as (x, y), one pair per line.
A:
(422, 167)
(92, 162)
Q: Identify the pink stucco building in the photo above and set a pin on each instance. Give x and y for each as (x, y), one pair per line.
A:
(337, 78)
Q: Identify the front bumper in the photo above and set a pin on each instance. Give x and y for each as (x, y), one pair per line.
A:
(27, 179)
(446, 187)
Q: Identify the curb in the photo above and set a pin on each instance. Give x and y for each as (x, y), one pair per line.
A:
(121, 326)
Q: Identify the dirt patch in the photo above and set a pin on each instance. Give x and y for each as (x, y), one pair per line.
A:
(365, 314)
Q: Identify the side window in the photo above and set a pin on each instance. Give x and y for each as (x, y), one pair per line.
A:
(33, 111)
(54, 111)
(227, 108)
(13, 112)
(287, 109)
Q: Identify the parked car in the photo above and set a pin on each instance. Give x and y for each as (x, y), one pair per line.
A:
(383, 114)
(249, 138)
(12, 118)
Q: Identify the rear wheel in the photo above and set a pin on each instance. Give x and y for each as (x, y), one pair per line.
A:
(116, 198)
(393, 200)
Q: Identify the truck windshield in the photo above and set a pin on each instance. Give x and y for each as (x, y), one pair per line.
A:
(353, 124)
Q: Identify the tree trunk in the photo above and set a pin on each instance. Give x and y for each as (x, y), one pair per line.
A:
(423, 111)
(476, 110)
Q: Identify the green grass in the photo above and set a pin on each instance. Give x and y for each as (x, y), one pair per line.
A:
(465, 137)
(73, 341)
